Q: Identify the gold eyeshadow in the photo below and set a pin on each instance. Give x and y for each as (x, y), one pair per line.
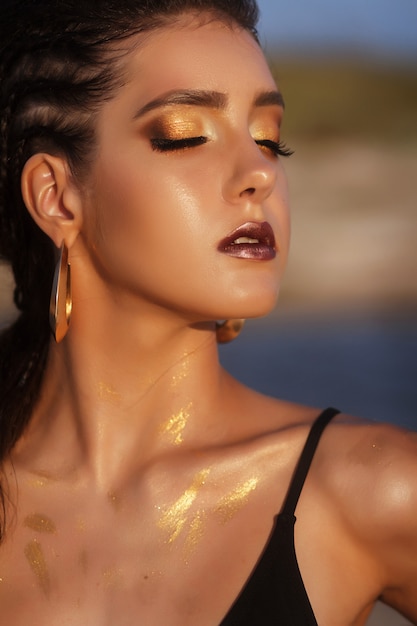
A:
(262, 131)
(177, 125)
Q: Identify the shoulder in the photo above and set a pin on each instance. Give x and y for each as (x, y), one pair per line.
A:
(371, 463)
(369, 472)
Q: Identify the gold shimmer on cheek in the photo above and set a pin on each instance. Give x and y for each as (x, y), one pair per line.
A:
(232, 502)
(175, 425)
(40, 523)
(175, 517)
(36, 560)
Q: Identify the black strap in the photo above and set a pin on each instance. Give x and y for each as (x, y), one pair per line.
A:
(305, 460)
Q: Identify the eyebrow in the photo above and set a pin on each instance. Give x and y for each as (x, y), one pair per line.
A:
(209, 99)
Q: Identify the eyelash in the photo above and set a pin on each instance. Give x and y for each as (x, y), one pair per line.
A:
(167, 145)
(160, 144)
(278, 148)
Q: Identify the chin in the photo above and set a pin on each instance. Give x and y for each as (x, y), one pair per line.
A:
(254, 306)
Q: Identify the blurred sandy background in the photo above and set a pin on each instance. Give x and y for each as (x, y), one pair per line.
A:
(351, 117)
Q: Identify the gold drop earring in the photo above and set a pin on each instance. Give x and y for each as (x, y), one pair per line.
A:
(61, 300)
(228, 330)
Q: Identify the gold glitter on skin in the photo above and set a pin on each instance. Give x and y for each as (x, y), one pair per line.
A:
(175, 517)
(108, 393)
(40, 523)
(195, 533)
(37, 563)
(112, 577)
(114, 500)
(232, 502)
(175, 426)
(181, 374)
(37, 483)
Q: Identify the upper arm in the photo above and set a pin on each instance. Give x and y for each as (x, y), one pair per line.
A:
(384, 511)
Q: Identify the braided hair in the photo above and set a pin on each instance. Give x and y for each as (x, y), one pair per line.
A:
(59, 61)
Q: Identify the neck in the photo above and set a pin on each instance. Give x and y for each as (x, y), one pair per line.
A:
(125, 392)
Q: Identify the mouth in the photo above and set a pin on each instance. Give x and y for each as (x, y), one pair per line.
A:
(252, 240)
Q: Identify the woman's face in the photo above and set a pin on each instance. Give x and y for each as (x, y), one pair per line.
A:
(186, 156)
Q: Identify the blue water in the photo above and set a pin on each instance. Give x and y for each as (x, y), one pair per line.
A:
(363, 367)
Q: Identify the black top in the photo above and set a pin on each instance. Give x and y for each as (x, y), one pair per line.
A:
(275, 595)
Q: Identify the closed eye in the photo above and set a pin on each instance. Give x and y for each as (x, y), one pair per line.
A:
(277, 148)
(161, 144)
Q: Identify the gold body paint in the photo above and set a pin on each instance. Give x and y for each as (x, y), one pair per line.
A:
(195, 532)
(182, 371)
(37, 563)
(175, 517)
(175, 425)
(108, 393)
(232, 502)
(112, 577)
(40, 523)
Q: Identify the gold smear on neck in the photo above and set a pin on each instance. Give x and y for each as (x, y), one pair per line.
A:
(40, 523)
(36, 560)
(232, 502)
(108, 393)
(174, 427)
(182, 372)
(175, 517)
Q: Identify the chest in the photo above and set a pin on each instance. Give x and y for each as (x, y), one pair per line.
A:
(113, 565)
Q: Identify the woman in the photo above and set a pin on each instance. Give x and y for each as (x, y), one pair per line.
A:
(140, 482)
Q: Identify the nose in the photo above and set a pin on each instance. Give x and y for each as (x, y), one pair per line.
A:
(252, 177)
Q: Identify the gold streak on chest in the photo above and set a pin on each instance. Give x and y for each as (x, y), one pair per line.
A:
(35, 557)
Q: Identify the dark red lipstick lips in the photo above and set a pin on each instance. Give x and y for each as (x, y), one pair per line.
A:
(252, 240)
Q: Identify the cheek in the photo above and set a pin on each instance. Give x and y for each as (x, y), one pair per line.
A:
(146, 215)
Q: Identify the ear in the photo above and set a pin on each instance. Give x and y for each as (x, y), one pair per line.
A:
(52, 198)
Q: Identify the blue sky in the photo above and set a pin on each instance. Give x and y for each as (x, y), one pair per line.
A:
(384, 28)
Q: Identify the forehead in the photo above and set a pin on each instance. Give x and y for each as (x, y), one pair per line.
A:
(187, 54)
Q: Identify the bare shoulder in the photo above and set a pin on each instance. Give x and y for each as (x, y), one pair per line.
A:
(372, 464)
(369, 471)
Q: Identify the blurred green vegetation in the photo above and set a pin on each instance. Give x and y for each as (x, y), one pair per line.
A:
(348, 99)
